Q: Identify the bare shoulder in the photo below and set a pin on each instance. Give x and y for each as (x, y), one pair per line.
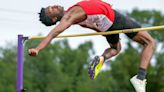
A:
(76, 9)
(76, 14)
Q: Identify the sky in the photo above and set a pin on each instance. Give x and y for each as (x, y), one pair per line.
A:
(21, 17)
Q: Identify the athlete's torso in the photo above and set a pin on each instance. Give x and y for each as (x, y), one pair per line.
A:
(100, 15)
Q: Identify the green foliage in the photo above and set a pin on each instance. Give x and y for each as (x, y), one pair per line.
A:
(8, 69)
(150, 18)
(57, 68)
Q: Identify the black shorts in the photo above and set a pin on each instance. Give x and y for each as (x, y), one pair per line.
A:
(121, 22)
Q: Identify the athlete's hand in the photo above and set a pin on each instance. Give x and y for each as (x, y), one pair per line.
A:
(33, 52)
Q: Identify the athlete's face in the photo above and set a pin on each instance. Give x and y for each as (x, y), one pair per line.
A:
(54, 11)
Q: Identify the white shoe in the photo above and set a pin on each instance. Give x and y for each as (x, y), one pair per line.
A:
(139, 85)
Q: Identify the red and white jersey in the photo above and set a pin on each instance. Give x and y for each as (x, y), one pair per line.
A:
(99, 14)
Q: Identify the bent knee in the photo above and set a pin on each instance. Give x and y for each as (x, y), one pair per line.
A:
(116, 47)
(151, 42)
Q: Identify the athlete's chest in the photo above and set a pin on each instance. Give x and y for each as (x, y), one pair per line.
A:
(100, 22)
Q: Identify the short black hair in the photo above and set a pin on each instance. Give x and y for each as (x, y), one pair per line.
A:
(45, 19)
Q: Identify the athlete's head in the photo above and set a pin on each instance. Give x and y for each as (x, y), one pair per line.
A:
(51, 14)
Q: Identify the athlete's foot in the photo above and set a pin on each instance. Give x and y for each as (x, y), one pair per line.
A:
(139, 85)
(95, 66)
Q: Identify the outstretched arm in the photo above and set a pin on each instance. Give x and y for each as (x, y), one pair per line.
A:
(75, 15)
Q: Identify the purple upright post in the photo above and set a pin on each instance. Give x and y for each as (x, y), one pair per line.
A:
(20, 64)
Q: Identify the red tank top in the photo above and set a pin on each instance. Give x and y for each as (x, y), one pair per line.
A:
(99, 13)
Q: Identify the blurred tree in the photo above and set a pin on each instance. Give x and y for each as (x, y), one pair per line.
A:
(57, 68)
(8, 69)
(124, 67)
(150, 18)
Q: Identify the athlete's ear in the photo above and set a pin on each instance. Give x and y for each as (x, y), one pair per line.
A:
(54, 19)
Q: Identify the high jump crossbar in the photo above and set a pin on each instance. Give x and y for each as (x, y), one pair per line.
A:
(105, 33)
(21, 39)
